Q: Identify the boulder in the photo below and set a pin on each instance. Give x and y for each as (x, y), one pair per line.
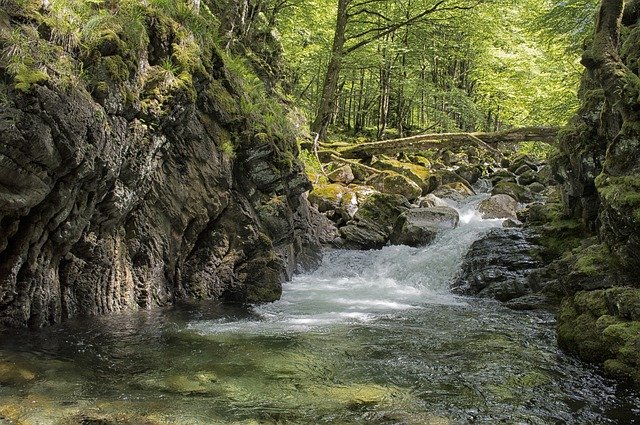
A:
(498, 206)
(373, 222)
(394, 183)
(327, 197)
(342, 174)
(500, 266)
(470, 173)
(420, 226)
(519, 193)
(527, 178)
(455, 191)
(416, 173)
(431, 200)
(502, 175)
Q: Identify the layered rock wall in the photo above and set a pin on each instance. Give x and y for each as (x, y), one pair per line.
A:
(137, 189)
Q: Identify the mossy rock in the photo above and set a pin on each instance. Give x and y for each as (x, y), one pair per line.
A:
(417, 173)
(327, 196)
(394, 183)
(514, 190)
(15, 374)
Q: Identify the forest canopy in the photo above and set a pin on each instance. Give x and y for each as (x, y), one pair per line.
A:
(391, 68)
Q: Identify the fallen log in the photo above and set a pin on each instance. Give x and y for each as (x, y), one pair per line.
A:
(449, 140)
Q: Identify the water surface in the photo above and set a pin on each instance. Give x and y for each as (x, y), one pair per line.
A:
(370, 337)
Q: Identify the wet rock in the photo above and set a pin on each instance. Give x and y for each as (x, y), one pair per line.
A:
(470, 173)
(502, 175)
(530, 302)
(373, 222)
(512, 223)
(420, 226)
(342, 174)
(15, 374)
(394, 183)
(499, 266)
(498, 206)
(431, 200)
(443, 177)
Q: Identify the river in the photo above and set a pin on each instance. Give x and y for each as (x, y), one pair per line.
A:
(370, 337)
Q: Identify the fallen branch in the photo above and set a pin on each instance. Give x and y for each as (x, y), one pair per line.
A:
(449, 140)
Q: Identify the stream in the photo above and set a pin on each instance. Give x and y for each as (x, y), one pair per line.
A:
(370, 337)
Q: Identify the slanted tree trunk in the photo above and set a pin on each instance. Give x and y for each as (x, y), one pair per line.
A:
(449, 140)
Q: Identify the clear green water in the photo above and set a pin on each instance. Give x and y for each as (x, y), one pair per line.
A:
(369, 338)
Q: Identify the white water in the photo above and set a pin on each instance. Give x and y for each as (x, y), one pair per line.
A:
(361, 286)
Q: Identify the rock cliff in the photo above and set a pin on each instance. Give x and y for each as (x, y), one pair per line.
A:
(139, 165)
(599, 168)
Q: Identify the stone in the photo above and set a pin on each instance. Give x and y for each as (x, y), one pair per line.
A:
(527, 178)
(517, 192)
(416, 173)
(431, 200)
(455, 191)
(536, 187)
(15, 374)
(498, 206)
(470, 173)
(420, 226)
(502, 175)
(394, 183)
(327, 197)
(373, 222)
(524, 168)
(342, 174)
(500, 265)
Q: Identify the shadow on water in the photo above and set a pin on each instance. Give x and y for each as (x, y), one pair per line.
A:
(370, 337)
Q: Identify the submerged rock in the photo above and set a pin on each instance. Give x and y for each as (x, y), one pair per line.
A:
(420, 226)
(499, 266)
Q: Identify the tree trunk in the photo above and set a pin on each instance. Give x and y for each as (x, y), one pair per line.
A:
(442, 140)
(330, 86)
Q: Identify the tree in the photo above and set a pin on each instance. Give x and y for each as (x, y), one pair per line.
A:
(379, 28)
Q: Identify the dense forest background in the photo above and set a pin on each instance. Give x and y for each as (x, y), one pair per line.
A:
(383, 69)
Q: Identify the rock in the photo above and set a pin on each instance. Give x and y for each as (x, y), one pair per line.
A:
(498, 206)
(442, 177)
(527, 178)
(342, 174)
(521, 161)
(394, 183)
(431, 200)
(15, 374)
(416, 173)
(536, 187)
(519, 193)
(470, 173)
(450, 158)
(373, 222)
(327, 197)
(139, 193)
(524, 168)
(512, 223)
(530, 302)
(420, 226)
(502, 175)
(454, 191)
(499, 266)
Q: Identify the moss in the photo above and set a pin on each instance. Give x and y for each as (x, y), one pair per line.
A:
(592, 302)
(26, 77)
(621, 193)
(593, 260)
(618, 335)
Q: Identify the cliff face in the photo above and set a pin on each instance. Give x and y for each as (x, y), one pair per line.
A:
(599, 167)
(131, 177)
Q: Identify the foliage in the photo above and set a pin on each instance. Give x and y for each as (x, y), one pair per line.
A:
(501, 63)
